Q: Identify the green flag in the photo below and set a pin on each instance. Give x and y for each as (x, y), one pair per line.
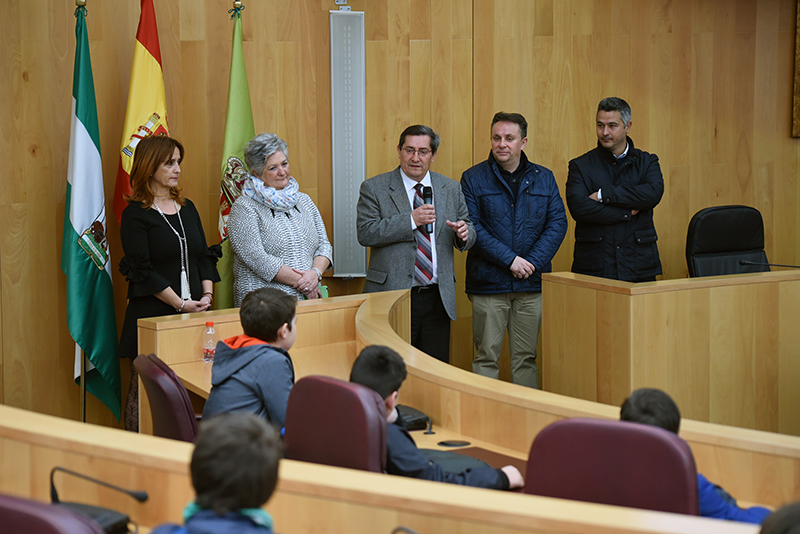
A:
(85, 258)
(239, 129)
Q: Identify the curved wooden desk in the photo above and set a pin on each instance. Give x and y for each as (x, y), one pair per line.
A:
(754, 466)
(309, 497)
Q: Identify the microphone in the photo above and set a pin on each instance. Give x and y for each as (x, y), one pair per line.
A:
(748, 262)
(427, 198)
(111, 521)
(430, 426)
(140, 496)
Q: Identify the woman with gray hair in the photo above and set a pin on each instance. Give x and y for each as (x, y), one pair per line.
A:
(276, 232)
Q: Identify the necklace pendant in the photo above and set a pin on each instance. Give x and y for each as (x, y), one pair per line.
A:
(186, 293)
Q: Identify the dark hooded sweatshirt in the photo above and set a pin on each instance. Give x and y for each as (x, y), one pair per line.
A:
(250, 375)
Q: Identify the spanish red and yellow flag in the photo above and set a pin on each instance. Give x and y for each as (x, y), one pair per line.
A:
(147, 103)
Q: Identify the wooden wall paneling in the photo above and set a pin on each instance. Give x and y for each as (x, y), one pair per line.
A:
(192, 20)
(112, 55)
(784, 229)
(261, 56)
(450, 106)
(564, 120)
(317, 26)
(483, 68)
(197, 169)
(395, 91)
(290, 104)
(543, 144)
(311, 83)
(45, 106)
(701, 122)
(743, 109)
(423, 78)
(461, 149)
(380, 145)
(641, 78)
(10, 127)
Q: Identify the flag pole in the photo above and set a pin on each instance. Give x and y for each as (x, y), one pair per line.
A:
(82, 3)
(84, 256)
(239, 130)
(83, 364)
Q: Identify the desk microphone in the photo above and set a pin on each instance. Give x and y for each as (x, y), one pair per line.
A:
(111, 521)
(140, 496)
(748, 262)
(427, 198)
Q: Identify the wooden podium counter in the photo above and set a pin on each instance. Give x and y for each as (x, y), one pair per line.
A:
(754, 466)
(726, 348)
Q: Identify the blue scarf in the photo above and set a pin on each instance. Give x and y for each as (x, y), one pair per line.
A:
(256, 515)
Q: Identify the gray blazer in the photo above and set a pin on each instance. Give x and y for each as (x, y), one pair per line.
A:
(384, 223)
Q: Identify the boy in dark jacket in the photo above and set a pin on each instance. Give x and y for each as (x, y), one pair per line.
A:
(654, 407)
(253, 372)
(234, 472)
(383, 370)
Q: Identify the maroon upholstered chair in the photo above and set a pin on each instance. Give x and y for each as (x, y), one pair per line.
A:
(613, 462)
(173, 415)
(33, 517)
(333, 422)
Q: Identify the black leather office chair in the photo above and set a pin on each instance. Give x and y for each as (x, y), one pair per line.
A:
(720, 237)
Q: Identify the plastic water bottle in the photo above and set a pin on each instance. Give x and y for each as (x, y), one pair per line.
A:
(209, 342)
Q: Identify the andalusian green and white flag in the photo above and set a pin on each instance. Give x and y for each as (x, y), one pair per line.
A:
(85, 258)
(239, 130)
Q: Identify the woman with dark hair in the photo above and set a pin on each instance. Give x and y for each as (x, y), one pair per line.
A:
(276, 232)
(169, 267)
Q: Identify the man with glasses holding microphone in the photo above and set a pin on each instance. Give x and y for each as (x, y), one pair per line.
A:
(412, 218)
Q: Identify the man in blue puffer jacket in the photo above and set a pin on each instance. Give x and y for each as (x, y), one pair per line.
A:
(520, 222)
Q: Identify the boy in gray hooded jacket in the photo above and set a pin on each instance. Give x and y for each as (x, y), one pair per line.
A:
(253, 372)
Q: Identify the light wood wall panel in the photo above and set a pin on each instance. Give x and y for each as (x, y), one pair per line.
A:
(709, 82)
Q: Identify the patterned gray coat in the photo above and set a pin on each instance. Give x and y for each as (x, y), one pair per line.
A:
(263, 240)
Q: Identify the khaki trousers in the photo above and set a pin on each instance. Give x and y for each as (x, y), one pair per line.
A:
(521, 314)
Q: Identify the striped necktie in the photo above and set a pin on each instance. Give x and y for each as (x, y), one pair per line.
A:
(423, 266)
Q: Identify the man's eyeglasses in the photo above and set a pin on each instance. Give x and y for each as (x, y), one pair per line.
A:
(411, 151)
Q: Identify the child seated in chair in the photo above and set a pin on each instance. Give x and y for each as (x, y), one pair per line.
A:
(253, 372)
(383, 370)
(654, 407)
(234, 472)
